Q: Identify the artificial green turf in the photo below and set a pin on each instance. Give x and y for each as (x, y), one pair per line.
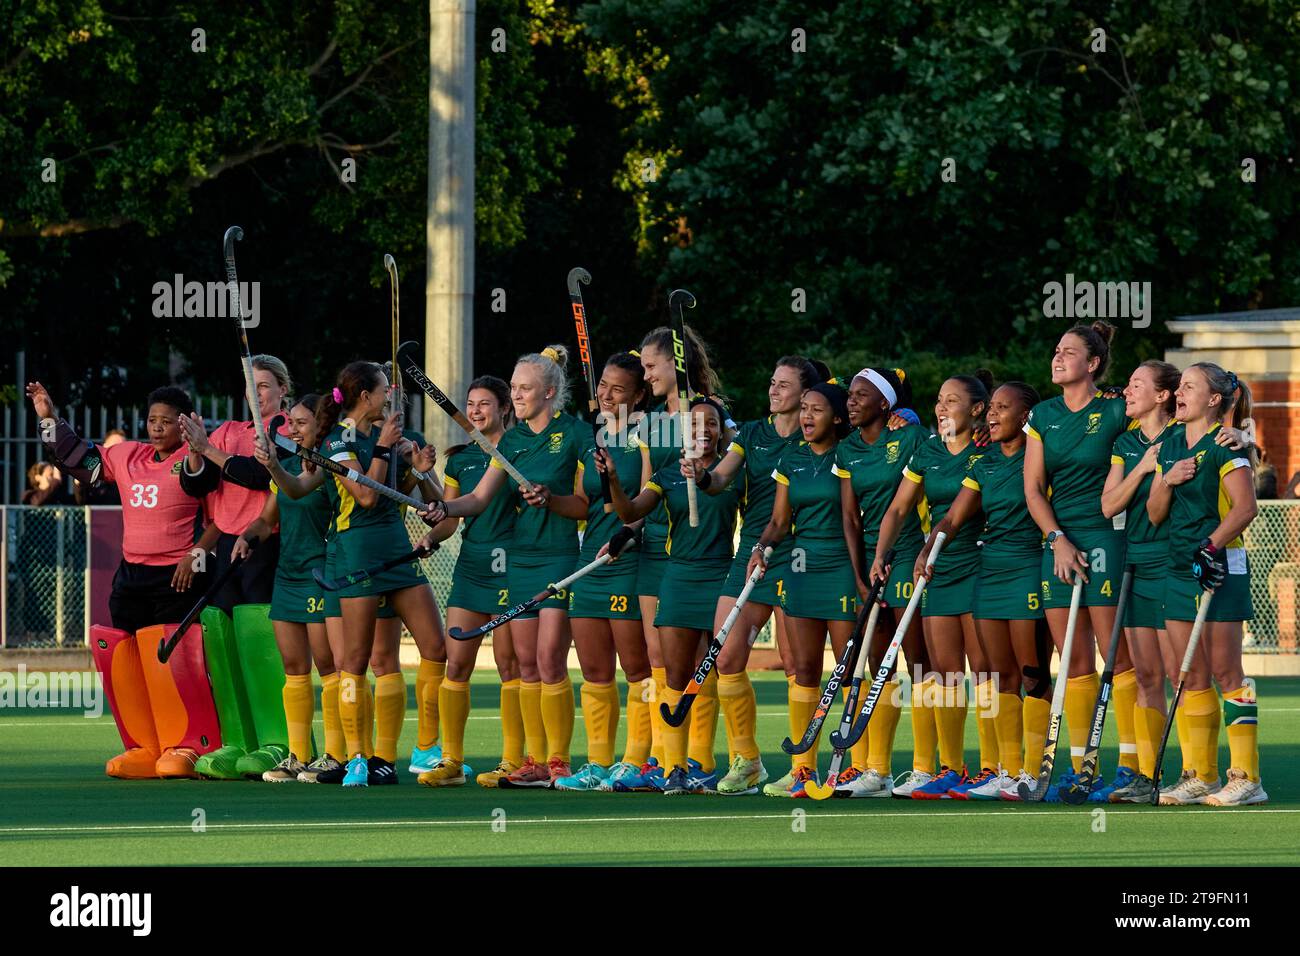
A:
(58, 808)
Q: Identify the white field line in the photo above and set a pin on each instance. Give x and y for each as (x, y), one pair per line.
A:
(702, 818)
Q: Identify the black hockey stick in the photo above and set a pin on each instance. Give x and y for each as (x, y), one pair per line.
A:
(676, 716)
(843, 741)
(1048, 762)
(394, 308)
(337, 468)
(1078, 791)
(165, 647)
(1192, 643)
(365, 574)
(676, 299)
(846, 665)
(233, 234)
(579, 277)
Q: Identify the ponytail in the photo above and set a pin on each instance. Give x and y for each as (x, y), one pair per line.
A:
(1097, 337)
(356, 377)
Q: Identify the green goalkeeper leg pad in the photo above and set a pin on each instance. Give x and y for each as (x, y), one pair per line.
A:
(230, 696)
(263, 671)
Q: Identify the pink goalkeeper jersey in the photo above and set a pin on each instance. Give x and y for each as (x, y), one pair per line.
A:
(235, 507)
(157, 516)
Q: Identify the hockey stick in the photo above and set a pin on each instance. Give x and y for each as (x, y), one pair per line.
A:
(1058, 704)
(579, 277)
(365, 574)
(847, 664)
(534, 602)
(165, 647)
(1079, 790)
(395, 306)
(676, 298)
(839, 739)
(343, 471)
(820, 791)
(674, 717)
(234, 234)
(1192, 643)
(406, 357)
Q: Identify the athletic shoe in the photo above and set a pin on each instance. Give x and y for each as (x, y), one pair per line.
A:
(382, 773)
(980, 781)
(912, 779)
(134, 764)
(176, 763)
(424, 758)
(557, 767)
(619, 771)
(649, 778)
(993, 782)
(1190, 789)
(743, 778)
(676, 782)
(220, 764)
(445, 773)
(1011, 786)
(358, 772)
(259, 761)
(530, 775)
(1123, 777)
(286, 771)
(1068, 781)
(792, 784)
(1239, 791)
(937, 789)
(801, 777)
(780, 787)
(855, 784)
(1138, 790)
(590, 776)
(698, 780)
(492, 778)
(324, 769)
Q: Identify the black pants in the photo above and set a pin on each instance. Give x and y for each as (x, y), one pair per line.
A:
(142, 595)
(253, 582)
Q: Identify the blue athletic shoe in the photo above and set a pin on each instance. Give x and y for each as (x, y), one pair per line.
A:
(1065, 782)
(617, 774)
(649, 778)
(423, 759)
(937, 789)
(590, 776)
(676, 782)
(1124, 777)
(982, 779)
(697, 781)
(358, 774)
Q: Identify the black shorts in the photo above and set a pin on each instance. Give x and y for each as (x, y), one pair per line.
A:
(254, 581)
(142, 595)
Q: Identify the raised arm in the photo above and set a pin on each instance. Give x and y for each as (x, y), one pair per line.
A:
(73, 453)
(720, 478)
(629, 509)
(1120, 488)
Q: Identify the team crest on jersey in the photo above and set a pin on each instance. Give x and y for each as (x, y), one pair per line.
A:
(176, 468)
(1094, 422)
(891, 452)
(1199, 456)
(557, 439)
(971, 461)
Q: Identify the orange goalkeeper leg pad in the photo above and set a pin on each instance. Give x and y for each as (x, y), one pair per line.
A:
(117, 658)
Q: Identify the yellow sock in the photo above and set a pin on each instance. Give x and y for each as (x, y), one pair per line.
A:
(950, 716)
(298, 709)
(1036, 713)
(390, 711)
(1184, 731)
(636, 750)
(329, 709)
(453, 712)
(557, 716)
(1008, 726)
(1203, 728)
(1125, 693)
(1241, 717)
(367, 717)
(659, 675)
(704, 724)
(352, 713)
(925, 731)
(882, 730)
(1148, 725)
(530, 705)
(1080, 702)
(598, 700)
(674, 738)
(803, 702)
(985, 725)
(512, 723)
(427, 681)
(740, 712)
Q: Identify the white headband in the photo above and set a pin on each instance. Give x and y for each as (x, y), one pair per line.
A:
(881, 383)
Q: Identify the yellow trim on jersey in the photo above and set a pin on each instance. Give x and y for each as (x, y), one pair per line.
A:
(1232, 465)
(448, 480)
(1116, 460)
(971, 483)
(1134, 423)
(839, 473)
(274, 489)
(923, 513)
(493, 463)
(1032, 433)
(779, 478)
(912, 476)
(581, 467)
(735, 446)
(343, 520)
(654, 486)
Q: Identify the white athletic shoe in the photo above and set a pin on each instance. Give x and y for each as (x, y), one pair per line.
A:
(910, 781)
(1239, 791)
(1190, 789)
(1011, 785)
(991, 789)
(867, 784)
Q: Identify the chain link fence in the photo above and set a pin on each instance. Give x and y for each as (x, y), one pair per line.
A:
(44, 576)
